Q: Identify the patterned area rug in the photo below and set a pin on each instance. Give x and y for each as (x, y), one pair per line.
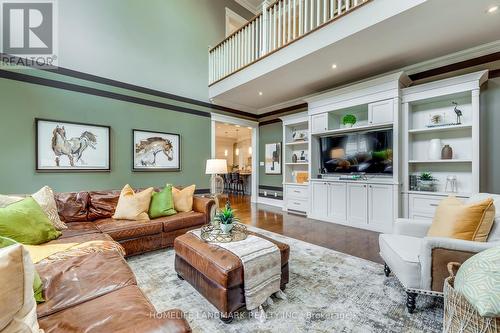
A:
(328, 292)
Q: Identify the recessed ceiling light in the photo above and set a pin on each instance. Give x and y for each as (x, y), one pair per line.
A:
(492, 9)
(334, 66)
(238, 126)
(260, 93)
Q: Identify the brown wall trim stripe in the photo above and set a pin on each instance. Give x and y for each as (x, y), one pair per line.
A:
(287, 109)
(119, 84)
(271, 188)
(456, 66)
(96, 92)
(268, 122)
(494, 74)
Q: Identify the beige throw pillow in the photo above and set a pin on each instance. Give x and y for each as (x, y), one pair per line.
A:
(133, 206)
(18, 306)
(45, 198)
(454, 219)
(183, 199)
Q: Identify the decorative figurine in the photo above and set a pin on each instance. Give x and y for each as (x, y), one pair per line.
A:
(458, 113)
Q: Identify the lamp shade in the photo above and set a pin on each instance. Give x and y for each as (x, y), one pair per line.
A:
(216, 166)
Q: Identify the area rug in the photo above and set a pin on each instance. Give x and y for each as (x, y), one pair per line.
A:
(328, 292)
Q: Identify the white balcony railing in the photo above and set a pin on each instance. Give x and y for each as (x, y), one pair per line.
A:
(278, 25)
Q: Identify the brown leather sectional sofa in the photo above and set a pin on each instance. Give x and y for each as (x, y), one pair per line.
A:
(88, 212)
(97, 291)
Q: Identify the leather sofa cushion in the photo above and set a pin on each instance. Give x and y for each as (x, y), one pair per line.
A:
(126, 229)
(216, 263)
(102, 204)
(181, 221)
(123, 310)
(84, 278)
(79, 228)
(82, 238)
(72, 206)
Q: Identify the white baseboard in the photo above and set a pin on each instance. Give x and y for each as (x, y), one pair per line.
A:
(271, 202)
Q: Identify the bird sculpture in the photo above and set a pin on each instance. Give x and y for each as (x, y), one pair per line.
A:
(458, 113)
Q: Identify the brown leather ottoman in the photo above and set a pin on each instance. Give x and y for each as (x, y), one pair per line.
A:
(216, 273)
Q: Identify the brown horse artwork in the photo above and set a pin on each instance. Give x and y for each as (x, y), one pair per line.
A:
(72, 148)
(146, 150)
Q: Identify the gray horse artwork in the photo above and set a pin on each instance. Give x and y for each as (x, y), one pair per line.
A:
(147, 150)
(72, 148)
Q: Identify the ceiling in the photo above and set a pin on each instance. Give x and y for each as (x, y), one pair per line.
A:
(252, 5)
(433, 29)
(235, 132)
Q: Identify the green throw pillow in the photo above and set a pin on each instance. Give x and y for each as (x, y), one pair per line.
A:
(162, 203)
(478, 280)
(37, 282)
(25, 222)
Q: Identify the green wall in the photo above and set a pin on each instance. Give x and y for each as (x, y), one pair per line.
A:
(270, 133)
(490, 136)
(159, 44)
(22, 102)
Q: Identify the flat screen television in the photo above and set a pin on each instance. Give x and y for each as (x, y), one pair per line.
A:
(363, 152)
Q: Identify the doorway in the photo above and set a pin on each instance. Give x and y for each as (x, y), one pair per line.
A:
(235, 140)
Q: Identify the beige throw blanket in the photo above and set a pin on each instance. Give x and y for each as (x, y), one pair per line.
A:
(261, 261)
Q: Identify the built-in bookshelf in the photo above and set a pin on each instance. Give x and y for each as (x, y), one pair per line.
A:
(296, 160)
(448, 111)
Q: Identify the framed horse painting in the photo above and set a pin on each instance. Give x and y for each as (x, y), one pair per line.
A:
(156, 151)
(63, 146)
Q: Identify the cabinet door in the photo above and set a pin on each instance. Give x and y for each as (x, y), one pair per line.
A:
(319, 123)
(380, 207)
(357, 208)
(319, 206)
(338, 201)
(381, 112)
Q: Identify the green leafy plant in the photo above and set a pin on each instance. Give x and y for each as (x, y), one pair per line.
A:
(226, 215)
(349, 119)
(426, 176)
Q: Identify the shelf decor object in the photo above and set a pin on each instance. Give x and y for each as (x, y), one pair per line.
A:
(435, 149)
(349, 120)
(447, 153)
(213, 234)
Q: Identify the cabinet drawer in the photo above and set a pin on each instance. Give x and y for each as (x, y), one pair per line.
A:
(296, 192)
(297, 204)
(423, 205)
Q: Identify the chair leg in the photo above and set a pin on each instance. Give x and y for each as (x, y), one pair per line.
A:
(410, 301)
(387, 270)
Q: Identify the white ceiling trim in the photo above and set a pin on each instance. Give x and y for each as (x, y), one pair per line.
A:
(249, 5)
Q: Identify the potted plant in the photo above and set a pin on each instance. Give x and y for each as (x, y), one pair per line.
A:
(349, 120)
(426, 182)
(225, 218)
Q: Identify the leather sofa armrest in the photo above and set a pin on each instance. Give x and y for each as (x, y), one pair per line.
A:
(203, 205)
(437, 252)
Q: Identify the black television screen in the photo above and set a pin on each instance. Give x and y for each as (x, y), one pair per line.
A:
(364, 152)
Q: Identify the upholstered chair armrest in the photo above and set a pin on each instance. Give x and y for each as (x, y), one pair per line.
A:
(437, 252)
(409, 227)
(203, 205)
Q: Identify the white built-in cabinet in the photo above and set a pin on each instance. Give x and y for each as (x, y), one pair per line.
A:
(360, 205)
(381, 112)
(357, 204)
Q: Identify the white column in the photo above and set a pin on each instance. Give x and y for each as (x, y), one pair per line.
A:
(265, 26)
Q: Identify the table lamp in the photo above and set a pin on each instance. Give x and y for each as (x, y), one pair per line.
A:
(215, 167)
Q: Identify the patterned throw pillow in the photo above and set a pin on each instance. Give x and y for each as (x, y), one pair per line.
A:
(45, 198)
(478, 280)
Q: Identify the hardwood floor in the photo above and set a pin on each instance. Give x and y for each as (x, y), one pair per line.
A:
(353, 241)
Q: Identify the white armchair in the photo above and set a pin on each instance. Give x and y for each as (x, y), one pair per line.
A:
(419, 262)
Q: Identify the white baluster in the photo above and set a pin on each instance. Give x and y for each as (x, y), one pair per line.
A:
(325, 10)
(311, 26)
(318, 12)
(332, 8)
(294, 19)
(339, 7)
(347, 5)
(306, 16)
(280, 25)
(301, 18)
(264, 31)
(289, 21)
